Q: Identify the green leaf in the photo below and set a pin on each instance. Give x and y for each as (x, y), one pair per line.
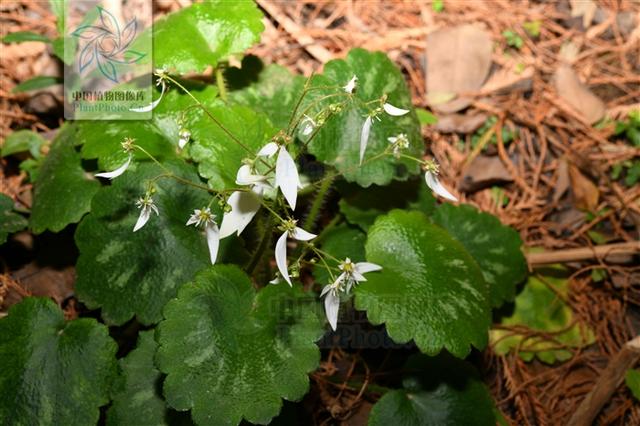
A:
(219, 155)
(341, 242)
(632, 380)
(275, 93)
(22, 36)
(35, 83)
(230, 353)
(63, 192)
(425, 117)
(9, 221)
(53, 372)
(127, 273)
(494, 246)
(362, 206)
(430, 289)
(338, 141)
(204, 34)
(437, 391)
(32, 167)
(540, 308)
(21, 141)
(136, 398)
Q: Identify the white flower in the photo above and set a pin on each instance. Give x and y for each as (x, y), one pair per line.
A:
(291, 231)
(287, 178)
(127, 146)
(352, 273)
(161, 81)
(332, 302)
(244, 206)
(364, 136)
(398, 143)
(308, 125)
(351, 84)
(184, 136)
(394, 111)
(146, 205)
(431, 177)
(204, 218)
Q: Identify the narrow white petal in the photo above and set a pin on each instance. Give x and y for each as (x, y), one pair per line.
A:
(192, 219)
(395, 111)
(358, 276)
(268, 150)
(182, 142)
(302, 235)
(245, 177)
(281, 257)
(364, 267)
(117, 172)
(287, 177)
(331, 308)
(151, 106)
(325, 289)
(213, 241)
(364, 137)
(436, 186)
(244, 206)
(145, 214)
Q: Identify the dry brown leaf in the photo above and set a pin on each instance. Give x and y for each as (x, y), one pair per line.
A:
(585, 192)
(562, 183)
(484, 171)
(577, 94)
(585, 8)
(460, 123)
(458, 61)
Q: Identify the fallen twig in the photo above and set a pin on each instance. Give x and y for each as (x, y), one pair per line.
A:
(606, 385)
(609, 253)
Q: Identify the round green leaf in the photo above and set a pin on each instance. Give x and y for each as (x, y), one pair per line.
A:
(430, 289)
(136, 398)
(219, 155)
(438, 391)
(204, 34)
(494, 246)
(63, 192)
(9, 221)
(53, 373)
(338, 142)
(231, 354)
(127, 273)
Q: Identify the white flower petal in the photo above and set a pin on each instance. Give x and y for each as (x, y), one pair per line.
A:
(358, 276)
(395, 111)
(245, 177)
(182, 142)
(364, 267)
(244, 206)
(325, 289)
(192, 219)
(145, 214)
(287, 177)
(152, 105)
(281, 257)
(364, 137)
(268, 150)
(117, 172)
(213, 241)
(302, 235)
(436, 186)
(351, 85)
(331, 308)
(307, 129)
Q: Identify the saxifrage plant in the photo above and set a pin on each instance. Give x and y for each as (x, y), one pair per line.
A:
(217, 228)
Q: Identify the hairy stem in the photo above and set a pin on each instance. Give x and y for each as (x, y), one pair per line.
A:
(318, 202)
(267, 231)
(221, 84)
